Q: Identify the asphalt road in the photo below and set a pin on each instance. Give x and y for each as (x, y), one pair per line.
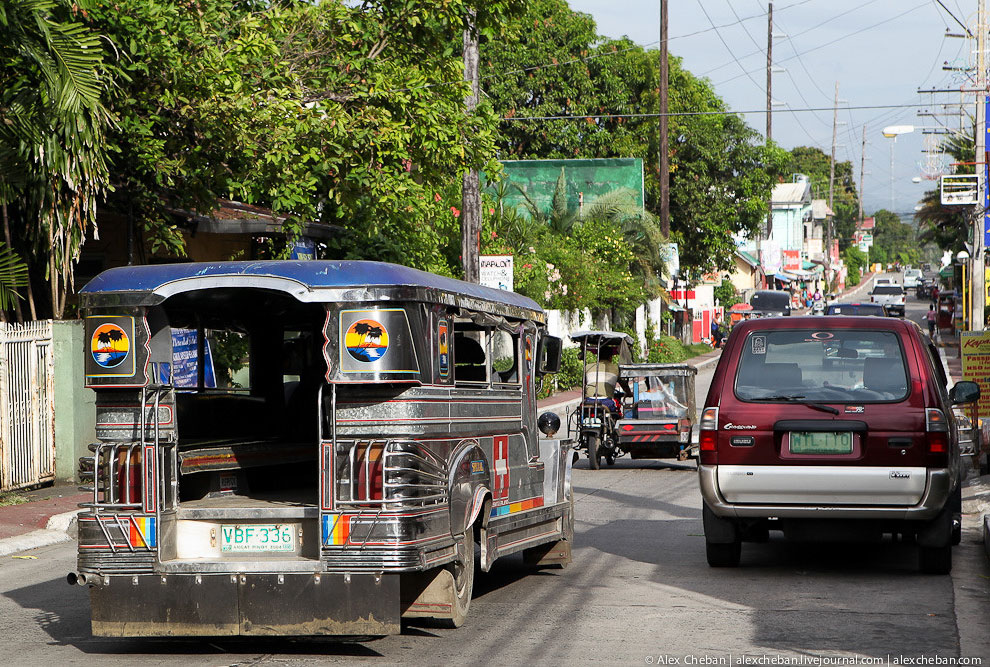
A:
(639, 590)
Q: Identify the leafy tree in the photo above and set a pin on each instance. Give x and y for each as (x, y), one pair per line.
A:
(855, 260)
(893, 240)
(948, 227)
(52, 124)
(351, 114)
(814, 163)
(721, 173)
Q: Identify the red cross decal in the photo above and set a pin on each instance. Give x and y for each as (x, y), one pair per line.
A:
(501, 456)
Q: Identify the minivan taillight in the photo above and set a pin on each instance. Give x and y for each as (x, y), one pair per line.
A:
(937, 431)
(708, 435)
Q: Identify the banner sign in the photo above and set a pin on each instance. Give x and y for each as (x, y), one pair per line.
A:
(975, 348)
(496, 271)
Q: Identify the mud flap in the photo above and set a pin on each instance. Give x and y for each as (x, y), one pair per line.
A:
(554, 553)
(938, 531)
(427, 594)
(246, 604)
(718, 530)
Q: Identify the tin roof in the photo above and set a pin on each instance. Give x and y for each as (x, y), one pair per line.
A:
(306, 280)
(791, 193)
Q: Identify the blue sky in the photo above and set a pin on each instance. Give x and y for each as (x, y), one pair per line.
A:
(880, 51)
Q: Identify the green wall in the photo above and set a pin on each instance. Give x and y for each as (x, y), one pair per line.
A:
(75, 406)
(592, 177)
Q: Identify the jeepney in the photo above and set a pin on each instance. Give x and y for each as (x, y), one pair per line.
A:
(310, 447)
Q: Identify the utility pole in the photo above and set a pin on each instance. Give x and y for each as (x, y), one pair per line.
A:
(862, 174)
(471, 187)
(769, 116)
(978, 289)
(831, 184)
(663, 164)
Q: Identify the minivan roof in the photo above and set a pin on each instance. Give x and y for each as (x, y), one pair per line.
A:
(813, 322)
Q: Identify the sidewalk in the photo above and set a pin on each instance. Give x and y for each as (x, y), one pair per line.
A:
(43, 520)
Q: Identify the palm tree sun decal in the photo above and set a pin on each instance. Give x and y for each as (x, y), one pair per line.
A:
(109, 345)
(366, 340)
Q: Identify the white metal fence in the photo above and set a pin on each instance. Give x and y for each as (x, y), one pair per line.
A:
(27, 413)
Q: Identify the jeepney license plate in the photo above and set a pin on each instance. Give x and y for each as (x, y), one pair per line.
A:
(821, 443)
(258, 537)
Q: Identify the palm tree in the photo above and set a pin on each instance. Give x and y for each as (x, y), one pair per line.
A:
(115, 336)
(104, 339)
(52, 120)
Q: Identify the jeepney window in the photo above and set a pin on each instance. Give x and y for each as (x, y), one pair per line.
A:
(470, 358)
(504, 355)
(225, 358)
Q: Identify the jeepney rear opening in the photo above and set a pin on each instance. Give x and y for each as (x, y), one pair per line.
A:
(243, 476)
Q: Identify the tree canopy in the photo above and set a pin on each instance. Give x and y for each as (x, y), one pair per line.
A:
(557, 66)
(815, 164)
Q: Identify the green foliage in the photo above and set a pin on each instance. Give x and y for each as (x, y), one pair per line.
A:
(894, 241)
(230, 353)
(814, 163)
(721, 172)
(325, 111)
(726, 294)
(855, 259)
(52, 124)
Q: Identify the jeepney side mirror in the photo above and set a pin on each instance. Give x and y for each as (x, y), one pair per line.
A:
(548, 355)
(549, 424)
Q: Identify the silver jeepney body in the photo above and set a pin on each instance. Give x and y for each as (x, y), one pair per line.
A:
(389, 416)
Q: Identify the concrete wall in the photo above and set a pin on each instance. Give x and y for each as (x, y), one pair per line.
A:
(75, 406)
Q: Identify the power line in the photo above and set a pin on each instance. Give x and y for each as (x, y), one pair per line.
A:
(837, 39)
(727, 48)
(699, 113)
(949, 12)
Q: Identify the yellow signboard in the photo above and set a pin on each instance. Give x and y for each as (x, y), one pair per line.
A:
(975, 349)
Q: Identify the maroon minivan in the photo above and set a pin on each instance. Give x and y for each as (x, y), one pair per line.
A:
(831, 427)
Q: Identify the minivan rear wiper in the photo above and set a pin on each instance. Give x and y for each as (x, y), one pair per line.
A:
(798, 399)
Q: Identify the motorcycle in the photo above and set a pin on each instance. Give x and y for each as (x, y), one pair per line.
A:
(595, 420)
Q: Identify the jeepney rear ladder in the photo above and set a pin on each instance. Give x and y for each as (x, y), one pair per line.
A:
(109, 470)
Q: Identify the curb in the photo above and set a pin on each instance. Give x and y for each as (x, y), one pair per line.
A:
(54, 532)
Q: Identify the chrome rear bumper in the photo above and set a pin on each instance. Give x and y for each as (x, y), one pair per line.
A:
(939, 484)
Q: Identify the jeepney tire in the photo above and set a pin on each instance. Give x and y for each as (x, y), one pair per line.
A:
(723, 554)
(593, 457)
(463, 573)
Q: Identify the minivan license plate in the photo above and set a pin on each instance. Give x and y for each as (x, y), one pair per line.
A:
(820, 443)
(257, 537)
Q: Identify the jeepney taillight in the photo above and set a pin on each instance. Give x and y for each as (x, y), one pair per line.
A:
(368, 461)
(128, 476)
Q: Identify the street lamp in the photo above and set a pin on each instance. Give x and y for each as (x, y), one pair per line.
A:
(892, 132)
(962, 257)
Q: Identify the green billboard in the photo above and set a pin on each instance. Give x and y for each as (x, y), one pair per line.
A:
(586, 180)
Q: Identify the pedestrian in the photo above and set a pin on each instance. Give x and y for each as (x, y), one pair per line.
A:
(935, 295)
(716, 333)
(931, 316)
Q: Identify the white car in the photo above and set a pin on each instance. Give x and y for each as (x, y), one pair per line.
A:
(911, 278)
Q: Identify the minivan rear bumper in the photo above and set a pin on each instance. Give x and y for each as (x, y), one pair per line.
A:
(937, 488)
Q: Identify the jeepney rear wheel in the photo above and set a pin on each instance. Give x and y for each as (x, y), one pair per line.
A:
(593, 456)
(463, 571)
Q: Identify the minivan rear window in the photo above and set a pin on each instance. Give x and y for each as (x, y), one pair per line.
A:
(827, 365)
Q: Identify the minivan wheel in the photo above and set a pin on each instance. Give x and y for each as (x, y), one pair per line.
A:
(723, 554)
(935, 560)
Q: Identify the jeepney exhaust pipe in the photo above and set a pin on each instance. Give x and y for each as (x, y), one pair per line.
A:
(76, 578)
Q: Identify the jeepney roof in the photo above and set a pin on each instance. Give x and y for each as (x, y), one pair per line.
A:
(306, 280)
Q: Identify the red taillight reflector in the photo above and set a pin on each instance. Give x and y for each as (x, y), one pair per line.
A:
(670, 427)
(129, 476)
(627, 427)
(938, 442)
(706, 441)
